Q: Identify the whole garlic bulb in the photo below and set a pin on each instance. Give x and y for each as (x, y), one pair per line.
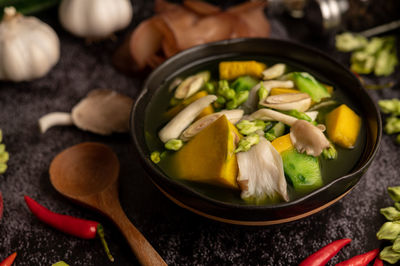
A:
(29, 48)
(95, 18)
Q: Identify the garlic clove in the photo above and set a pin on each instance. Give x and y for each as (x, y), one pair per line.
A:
(103, 112)
(288, 101)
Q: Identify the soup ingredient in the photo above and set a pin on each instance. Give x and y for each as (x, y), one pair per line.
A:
(247, 142)
(261, 177)
(191, 85)
(299, 115)
(251, 104)
(277, 91)
(155, 156)
(244, 83)
(232, 115)
(322, 256)
(274, 72)
(176, 109)
(330, 153)
(247, 127)
(394, 193)
(29, 47)
(303, 170)
(360, 260)
(173, 144)
(70, 225)
(308, 84)
(209, 156)
(4, 156)
(101, 111)
(377, 55)
(95, 19)
(308, 138)
(288, 101)
(343, 126)
(234, 69)
(389, 255)
(239, 98)
(276, 131)
(175, 28)
(60, 263)
(183, 119)
(9, 260)
(282, 143)
(271, 115)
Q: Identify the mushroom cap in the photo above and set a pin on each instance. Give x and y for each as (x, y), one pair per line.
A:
(308, 138)
(288, 101)
(103, 112)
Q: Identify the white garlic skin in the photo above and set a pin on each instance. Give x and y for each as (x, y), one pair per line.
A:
(95, 18)
(29, 48)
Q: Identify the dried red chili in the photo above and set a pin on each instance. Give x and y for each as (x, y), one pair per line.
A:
(81, 228)
(9, 260)
(360, 260)
(322, 256)
(378, 262)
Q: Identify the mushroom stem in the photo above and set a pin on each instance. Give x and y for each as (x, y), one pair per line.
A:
(54, 119)
(182, 120)
(268, 114)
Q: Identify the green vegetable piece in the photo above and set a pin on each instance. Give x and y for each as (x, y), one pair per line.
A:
(221, 100)
(163, 155)
(210, 88)
(298, 115)
(173, 144)
(247, 142)
(232, 104)
(374, 45)
(308, 84)
(302, 170)
(60, 263)
(225, 91)
(386, 61)
(2, 148)
(390, 213)
(362, 62)
(389, 255)
(330, 153)
(276, 131)
(4, 157)
(396, 244)
(244, 83)
(155, 157)
(241, 97)
(262, 92)
(347, 42)
(394, 193)
(3, 168)
(397, 205)
(390, 106)
(247, 127)
(389, 231)
(392, 125)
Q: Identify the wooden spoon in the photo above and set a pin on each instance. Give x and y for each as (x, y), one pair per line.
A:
(88, 173)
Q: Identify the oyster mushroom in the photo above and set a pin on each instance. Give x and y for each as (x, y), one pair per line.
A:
(101, 111)
(232, 115)
(191, 85)
(184, 118)
(274, 72)
(252, 100)
(305, 136)
(288, 101)
(308, 138)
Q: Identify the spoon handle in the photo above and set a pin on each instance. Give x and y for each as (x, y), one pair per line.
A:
(143, 250)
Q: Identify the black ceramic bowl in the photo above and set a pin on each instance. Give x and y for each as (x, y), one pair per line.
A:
(314, 61)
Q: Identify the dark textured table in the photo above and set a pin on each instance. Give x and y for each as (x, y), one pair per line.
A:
(181, 237)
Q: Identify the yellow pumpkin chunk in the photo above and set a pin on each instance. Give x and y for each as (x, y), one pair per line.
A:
(209, 157)
(343, 126)
(277, 91)
(176, 109)
(283, 143)
(234, 69)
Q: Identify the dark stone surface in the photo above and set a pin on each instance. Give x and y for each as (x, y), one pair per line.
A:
(181, 237)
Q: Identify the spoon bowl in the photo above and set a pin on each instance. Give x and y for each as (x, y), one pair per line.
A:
(87, 173)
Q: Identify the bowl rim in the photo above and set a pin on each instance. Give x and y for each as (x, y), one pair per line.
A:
(150, 165)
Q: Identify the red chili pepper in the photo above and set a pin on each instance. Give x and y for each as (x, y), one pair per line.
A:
(9, 260)
(378, 262)
(81, 228)
(322, 256)
(360, 260)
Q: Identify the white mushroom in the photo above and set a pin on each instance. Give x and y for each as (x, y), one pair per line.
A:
(288, 101)
(232, 115)
(191, 85)
(271, 115)
(101, 111)
(251, 103)
(184, 118)
(308, 138)
(312, 114)
(274, 71)
(261, 177)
